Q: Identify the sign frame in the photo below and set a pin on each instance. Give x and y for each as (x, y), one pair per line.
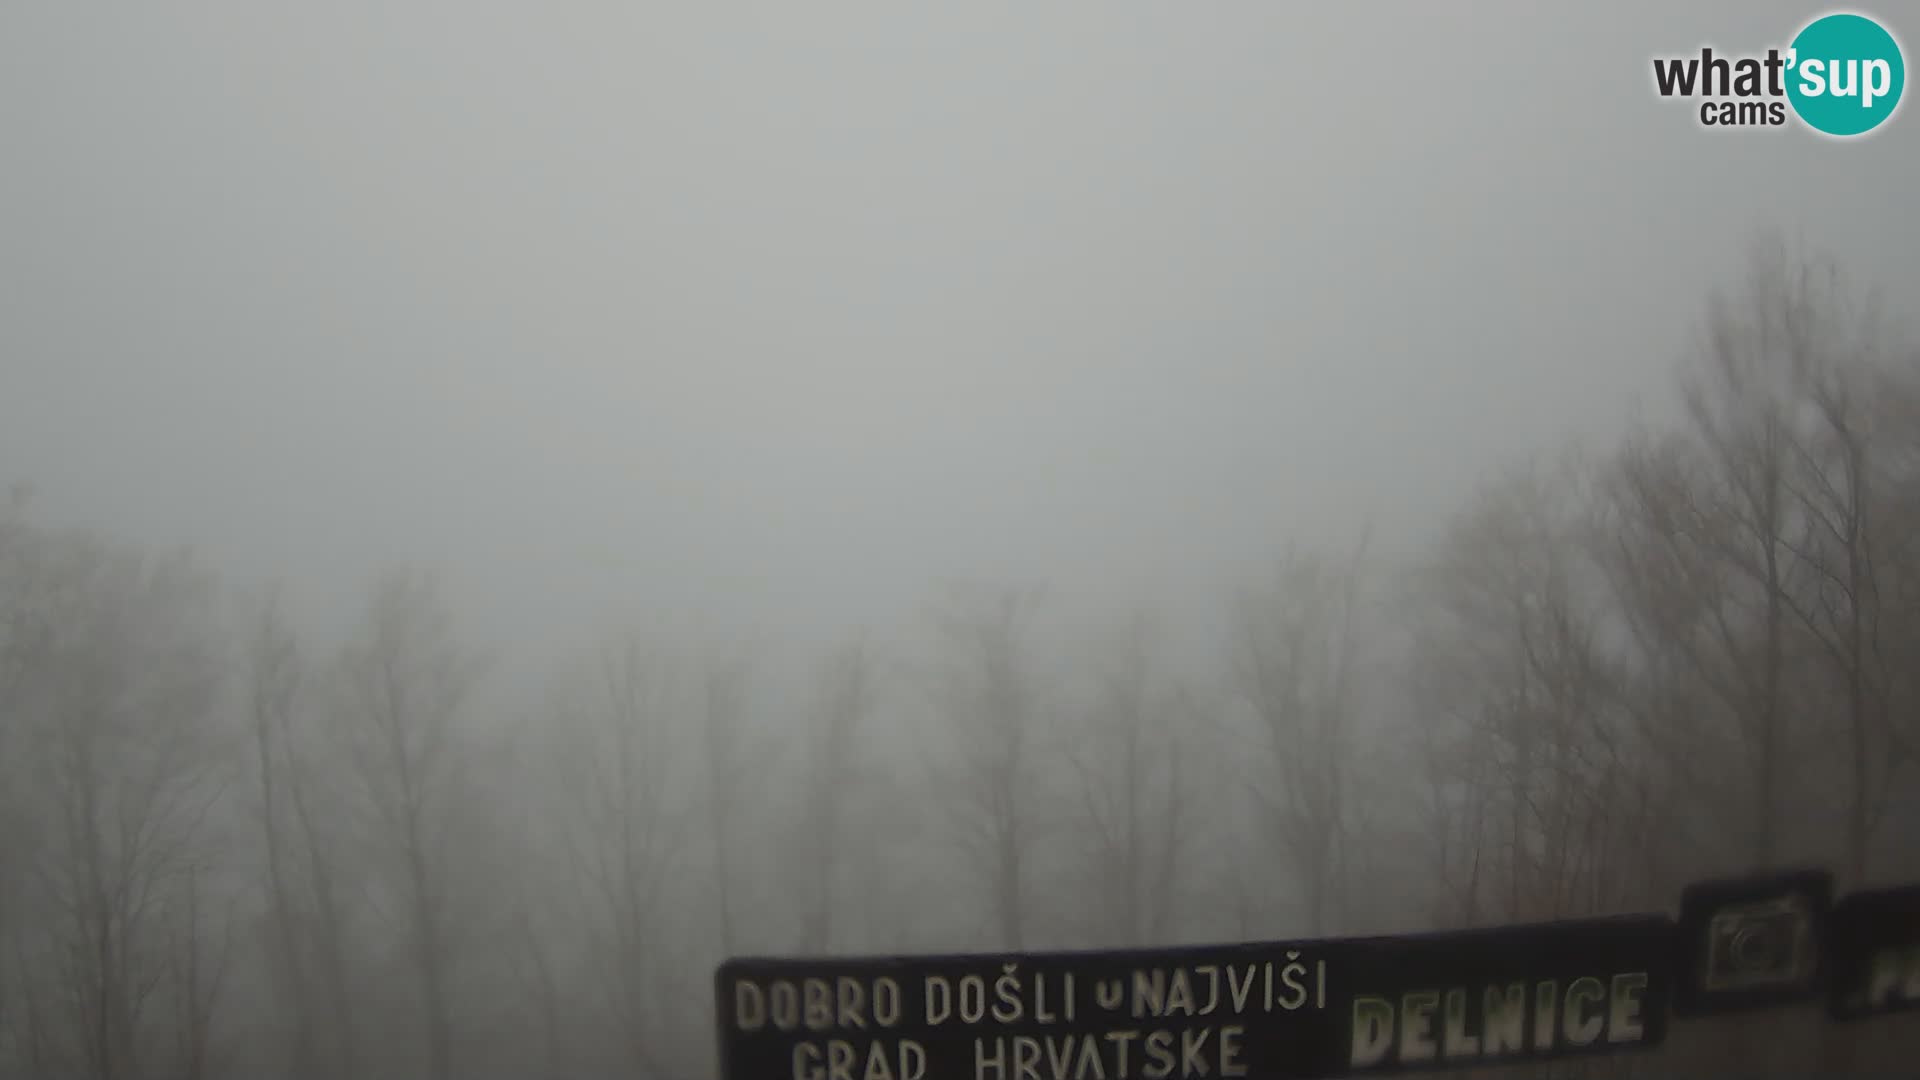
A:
(1310, 1008)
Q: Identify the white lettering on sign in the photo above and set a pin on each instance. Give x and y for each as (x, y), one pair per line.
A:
(1503, 1020)
(1205, 988)
(842, 1003)
(1193, 1054)
(838, 1059)
(1428, 1025)
(1024, 1023)
(1010, 999)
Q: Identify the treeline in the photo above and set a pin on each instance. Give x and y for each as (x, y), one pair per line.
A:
(230, 847)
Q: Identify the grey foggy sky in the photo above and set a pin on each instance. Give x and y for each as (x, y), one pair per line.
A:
(786, 315)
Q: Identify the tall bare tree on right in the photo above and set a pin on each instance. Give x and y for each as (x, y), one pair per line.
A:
(1743, 401)
(1847, 482)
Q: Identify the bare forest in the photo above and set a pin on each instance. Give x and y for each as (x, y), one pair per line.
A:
(234, 846)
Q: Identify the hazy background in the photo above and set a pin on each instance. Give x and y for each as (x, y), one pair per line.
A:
(767, 327)
(778, 316)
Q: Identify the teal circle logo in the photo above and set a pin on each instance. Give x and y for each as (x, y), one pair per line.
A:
(1846, 76)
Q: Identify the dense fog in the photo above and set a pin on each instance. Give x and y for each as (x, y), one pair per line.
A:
(510, 509)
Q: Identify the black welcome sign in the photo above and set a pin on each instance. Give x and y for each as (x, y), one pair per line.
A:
(1323, 1008)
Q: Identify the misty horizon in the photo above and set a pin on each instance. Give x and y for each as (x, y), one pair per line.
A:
(684, 348)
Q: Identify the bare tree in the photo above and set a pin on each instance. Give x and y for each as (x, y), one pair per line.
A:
(1294, 662)
(722, 725)
(1747, 565)
(316, 811)
(21, 642)
(1511, 666)
(275, 680)
(1459, 798)
(1894, 533)
(198, 951)
(1133, 784)
(612, 755)
(845, 695)
(1742, 400)
(120, 725)
(402, 685)
(1843, 474)
(986, 697)
(1671, 603)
